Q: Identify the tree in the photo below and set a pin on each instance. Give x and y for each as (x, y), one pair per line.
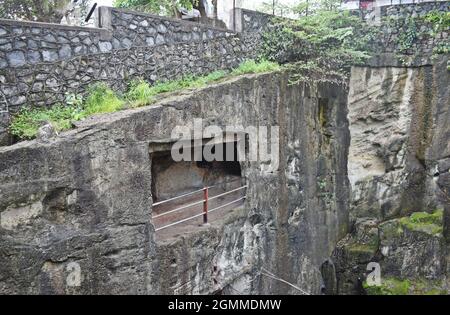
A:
(163, 7)
(322, 45)
(275, 7)
(50, 11)
(77, 13)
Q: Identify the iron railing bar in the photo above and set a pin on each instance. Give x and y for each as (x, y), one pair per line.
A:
(178, 222)
(178, 209)
(198, 215)
(178, 197)
(227, 204)
(192, 192)
(198, 202)
(228, 192)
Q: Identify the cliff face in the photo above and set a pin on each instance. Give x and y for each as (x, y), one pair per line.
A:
(390, 122)
(399, 171)
(84, 199)
(82, 202)
(310, 191)
(363, 177)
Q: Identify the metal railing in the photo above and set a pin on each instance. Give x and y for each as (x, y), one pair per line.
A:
(204, 201)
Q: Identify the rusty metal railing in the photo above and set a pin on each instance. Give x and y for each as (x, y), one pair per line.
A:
(204, 201)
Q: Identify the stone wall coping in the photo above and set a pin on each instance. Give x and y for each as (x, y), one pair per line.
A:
(169, 19)
(53, 26)
(258, 12)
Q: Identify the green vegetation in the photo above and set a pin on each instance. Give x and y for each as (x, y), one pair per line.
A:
(102, 99)
(390, 286)
(139, 93)
(162, 7)
(391, 229)
(440, 20)
(324, 44)
(431, 223)
(394, 286)
(412, 28)
(410, 34)
(50, 11)
(210, 78)
(363, 249)
(187, 82)
(27, 122)
(251, 66)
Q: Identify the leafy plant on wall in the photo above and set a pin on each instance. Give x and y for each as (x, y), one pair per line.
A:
(412, 29)
(440, 22)
(320, 46)
(163, 7)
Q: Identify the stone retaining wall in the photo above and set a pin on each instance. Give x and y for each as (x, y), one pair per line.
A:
(47, 83)
(140, 29)
(25, 43)
(41, 62)
(250, 21)
(29, 43)
(407, 21)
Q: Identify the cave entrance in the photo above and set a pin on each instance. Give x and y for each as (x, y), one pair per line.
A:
(182, 184)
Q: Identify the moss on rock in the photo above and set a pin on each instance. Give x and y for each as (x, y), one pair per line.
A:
(430, 223)
(395, 286)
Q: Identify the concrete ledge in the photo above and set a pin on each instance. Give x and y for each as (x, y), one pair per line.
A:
(165, 18)
(51, 26)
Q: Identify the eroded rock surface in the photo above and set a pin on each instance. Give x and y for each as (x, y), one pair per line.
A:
(81, 203)
(407, 249)
(399, 174)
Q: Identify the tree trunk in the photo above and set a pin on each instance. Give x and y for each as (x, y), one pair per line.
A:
(176, 12)
(214, 3)
(49, 11)
(201, 7)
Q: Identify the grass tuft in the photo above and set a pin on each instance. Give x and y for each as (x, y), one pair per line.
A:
(251, 66)
(101, 99)
(26, 123)
(139, 93)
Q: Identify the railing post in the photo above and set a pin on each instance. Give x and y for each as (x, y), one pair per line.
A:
(205, 205)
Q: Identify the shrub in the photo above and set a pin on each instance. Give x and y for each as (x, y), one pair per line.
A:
(321, 46)
(251, 66)
(212, 77)
(27, 122)
(101, 99)
(139, 93)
